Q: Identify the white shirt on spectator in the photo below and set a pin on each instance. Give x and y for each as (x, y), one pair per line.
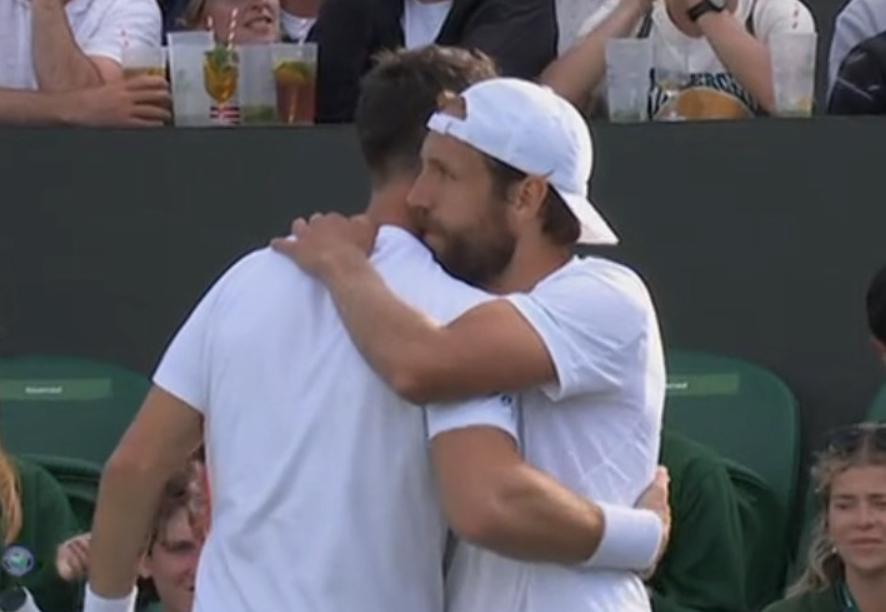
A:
(323, 496)
(596, 431)
(422, 21)
(571, 14)
(100, 28)
(296, 28)
(708, 75)
(858, 21)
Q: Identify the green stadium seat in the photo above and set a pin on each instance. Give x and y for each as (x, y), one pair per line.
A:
(78, 478)
(746, 414)
(66, 406)
(877, 409)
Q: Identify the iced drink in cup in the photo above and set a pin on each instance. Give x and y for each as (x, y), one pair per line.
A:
(628, 78)
(295, 80)
(144, 60)
(793, 72)
(189, 98)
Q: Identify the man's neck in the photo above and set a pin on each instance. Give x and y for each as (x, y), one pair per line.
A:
(868, 590)
(387, 205)
(301, 8)
(530, 264)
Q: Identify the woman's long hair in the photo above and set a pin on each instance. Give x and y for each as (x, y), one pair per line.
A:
(10, 500)
(824, 565)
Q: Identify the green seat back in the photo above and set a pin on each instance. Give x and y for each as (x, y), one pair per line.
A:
(65, 406)
(742, 411)
(877, 409)
(79, 480)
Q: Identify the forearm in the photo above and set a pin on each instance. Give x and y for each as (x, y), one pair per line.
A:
(59, 63)
(538, 519)
(745, 57)
(121, 527)
(30, 107)
(577, 73)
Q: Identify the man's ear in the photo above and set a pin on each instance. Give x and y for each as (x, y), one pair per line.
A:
(144, 567)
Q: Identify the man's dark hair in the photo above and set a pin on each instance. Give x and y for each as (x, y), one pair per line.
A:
(876, 305)
(398, 96)
(557, 222)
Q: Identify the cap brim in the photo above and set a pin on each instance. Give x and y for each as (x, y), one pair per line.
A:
(594, 229)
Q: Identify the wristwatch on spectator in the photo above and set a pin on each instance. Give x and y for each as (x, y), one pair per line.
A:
(705, 6)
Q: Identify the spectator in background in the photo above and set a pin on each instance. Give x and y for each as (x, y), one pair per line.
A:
(722, 44)
(520, 35)
(860, 84)
(298, 17)
(256, 21)
(52, 52)
(703, 569)
(857, 22)
(168, 568)
(875, 303)
(34, 519)
(846, 570)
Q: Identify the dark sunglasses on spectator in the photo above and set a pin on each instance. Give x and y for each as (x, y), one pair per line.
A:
(847, 440)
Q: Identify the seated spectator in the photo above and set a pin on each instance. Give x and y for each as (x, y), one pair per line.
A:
(254, 21)
(858, 21)
(860, 84)
(51, 51)
(721, 43)
(34, 519)
(168, 568)
(846, 570)
(703, 567)
(520, 35)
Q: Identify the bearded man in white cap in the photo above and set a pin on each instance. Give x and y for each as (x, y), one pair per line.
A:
(501, 200)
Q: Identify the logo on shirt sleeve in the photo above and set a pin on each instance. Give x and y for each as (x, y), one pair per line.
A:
(17, 561)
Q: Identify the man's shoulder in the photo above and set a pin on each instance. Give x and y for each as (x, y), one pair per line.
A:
(602, 278)
(410, 270)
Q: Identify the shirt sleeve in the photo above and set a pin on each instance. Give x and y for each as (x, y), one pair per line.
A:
(55, 523)
(137, 23)
(499, 411)
(852, 26)
(779, 16)
(592, 329)
(184, 370)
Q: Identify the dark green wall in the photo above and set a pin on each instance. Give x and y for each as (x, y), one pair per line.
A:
(757, 239)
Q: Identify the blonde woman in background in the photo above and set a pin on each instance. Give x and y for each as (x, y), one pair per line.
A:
(35, 518)
(256, 21)
(846, 571)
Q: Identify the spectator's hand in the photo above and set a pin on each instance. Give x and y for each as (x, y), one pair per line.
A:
(324, 242)
(655, 498)
(140, 101)
(72, 558)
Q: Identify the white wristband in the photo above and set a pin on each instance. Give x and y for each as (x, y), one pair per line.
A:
(631, 539)
(96, 603)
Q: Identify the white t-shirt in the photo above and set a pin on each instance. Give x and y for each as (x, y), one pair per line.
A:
(323, 496)
(597, 431)
(422, 21)
(100, 28)
(858, 21)
(571, 14)
(712, 89)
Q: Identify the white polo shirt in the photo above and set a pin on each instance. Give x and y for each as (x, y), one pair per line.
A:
(597, 431)
(323, 495)
(100, 27)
